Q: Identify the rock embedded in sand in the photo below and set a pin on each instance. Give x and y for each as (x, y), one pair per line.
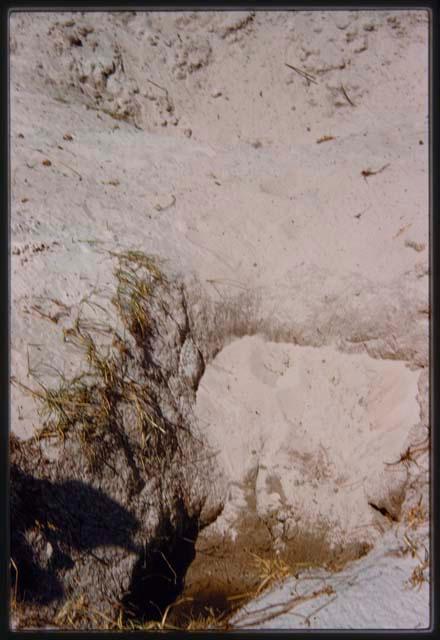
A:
(191, 364)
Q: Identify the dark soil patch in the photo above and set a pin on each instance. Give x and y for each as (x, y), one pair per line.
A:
(227, 573)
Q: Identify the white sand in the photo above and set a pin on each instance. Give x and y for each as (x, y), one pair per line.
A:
(322, 423)
(372, 593)
(219, 170)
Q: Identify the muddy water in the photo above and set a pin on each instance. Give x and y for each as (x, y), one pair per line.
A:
(304, 437)
(230, 569)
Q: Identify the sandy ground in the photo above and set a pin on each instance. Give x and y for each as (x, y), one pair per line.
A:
(300, 202)
(322, 428)
(371, 593)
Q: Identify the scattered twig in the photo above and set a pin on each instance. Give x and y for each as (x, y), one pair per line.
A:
(158, 86)
(412, 546)
(307, 619)
(418, 577)
(172, 569)
(60, 304)
(383, 512)
(227, 281)
(328, 590)
(304, 74)
(68, 167)
(32, 392)
(416, 516)
(408, 455)
(358, 215)
(325, 139)
(53, 318)
(346, 96)
(366, 173)
(16, 579)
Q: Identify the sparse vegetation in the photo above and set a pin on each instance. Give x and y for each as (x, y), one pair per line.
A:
(271, 570)
(92, 409)
(418, 575)
(116, 115)
(136, 276)
(416, 515)
(113, 404)
(90, 406)
(227, 573)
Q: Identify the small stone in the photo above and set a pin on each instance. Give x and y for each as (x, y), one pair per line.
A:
(191, 362)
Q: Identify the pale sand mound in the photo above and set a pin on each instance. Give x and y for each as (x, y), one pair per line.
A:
(315, 429)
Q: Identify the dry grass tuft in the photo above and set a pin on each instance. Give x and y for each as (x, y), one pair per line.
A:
(227, 573)
(136, 275)
(71, 612)
(416, 516)
(418, 575)
(90, 406)
(271, 570)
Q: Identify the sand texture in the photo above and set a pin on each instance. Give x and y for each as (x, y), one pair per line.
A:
(274, 167)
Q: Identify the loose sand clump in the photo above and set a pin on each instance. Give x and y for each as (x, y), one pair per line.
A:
(318, 430)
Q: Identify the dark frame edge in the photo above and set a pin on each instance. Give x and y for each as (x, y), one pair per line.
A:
(4, 327)
(434, 64)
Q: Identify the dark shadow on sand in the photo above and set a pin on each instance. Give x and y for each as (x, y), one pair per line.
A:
(51, 520)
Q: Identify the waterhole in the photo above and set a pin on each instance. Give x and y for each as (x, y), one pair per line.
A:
(306, 439)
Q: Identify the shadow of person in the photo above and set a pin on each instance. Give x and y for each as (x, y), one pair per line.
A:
(53, 521)
(158, 576)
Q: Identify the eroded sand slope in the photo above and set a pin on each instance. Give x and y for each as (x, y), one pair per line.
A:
(296, 207)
